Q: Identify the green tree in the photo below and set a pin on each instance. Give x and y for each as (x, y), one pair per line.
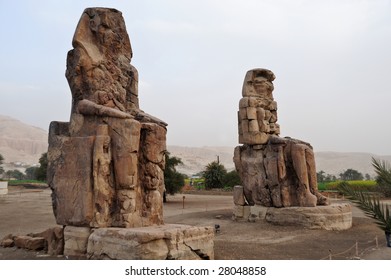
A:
(383, 176)
(232, 179)
(42, 169)
(173, 180)
(214, 174)
(351, 175)
(14, 174)
(31, 173)
(330, 178)
(321, 176)
(1, 162)
(324, 177)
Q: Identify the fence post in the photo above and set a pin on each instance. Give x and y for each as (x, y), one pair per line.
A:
(377, 242)
(356, 248)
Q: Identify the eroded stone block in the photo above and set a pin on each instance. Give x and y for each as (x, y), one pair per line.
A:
(76, 240)
(152, 243)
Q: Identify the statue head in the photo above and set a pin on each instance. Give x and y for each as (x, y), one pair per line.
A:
(258, 83)
(102, 32)
(100, 60)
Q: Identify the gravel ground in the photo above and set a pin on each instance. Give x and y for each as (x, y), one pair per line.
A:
(23, 211)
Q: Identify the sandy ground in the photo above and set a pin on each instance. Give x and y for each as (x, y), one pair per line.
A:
(23, 211)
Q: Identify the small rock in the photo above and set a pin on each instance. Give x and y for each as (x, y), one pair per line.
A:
(7, 243)
(30, 243)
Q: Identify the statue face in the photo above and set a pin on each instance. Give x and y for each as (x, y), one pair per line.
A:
(261, 87)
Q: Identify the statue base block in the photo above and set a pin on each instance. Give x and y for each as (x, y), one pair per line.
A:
(331, 217)
(171, 241)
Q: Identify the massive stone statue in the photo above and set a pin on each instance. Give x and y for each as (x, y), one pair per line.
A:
(275, 171)
(106, 164)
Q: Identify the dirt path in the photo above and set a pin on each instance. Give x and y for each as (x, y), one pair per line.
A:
(24, 211)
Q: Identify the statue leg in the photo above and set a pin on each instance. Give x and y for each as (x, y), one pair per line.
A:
(304, 195)
(313, 182)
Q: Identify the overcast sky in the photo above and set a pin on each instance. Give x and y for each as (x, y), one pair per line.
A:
(331, 60)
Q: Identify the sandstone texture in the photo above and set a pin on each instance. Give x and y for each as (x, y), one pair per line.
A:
(50, 241)
(257, 115)
(275, 171)
(54, 240)
(29, 243)
(162, 242)
(331, 217)
(76, 240)
(105, 164)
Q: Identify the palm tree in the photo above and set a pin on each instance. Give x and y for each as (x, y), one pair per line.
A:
(371, 206)
(173, 180)
(214, 175)
(383, 179)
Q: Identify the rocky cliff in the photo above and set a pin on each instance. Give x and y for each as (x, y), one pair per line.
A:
(20, 142)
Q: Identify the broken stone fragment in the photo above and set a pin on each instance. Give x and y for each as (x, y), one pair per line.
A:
(30, 243)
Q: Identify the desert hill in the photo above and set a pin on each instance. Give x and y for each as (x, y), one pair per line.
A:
(334, 163)
(196, 158)
(21, 142)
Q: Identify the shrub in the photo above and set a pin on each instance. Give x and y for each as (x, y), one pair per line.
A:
(366, 186)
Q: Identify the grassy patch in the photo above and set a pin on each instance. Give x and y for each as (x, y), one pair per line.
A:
(357, 185)
(24, 182)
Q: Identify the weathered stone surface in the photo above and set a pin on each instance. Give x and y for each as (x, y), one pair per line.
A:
(259, 211)
(281, 174)
(76, 240)
(105, 166)
(71, 184)
(241, 212)
(258, 111)
(29, 243)
(238, 212)
(54, 238)
(331, 217)
(239, 196)
(275, 171)
(152, 243)
(7, 241)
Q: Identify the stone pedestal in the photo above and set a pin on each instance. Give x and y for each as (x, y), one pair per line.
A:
(3, 187)
(76, 241)
(164, 242)
(330, 217)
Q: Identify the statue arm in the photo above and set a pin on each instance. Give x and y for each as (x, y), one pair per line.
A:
(143, 117)
(87, 107)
